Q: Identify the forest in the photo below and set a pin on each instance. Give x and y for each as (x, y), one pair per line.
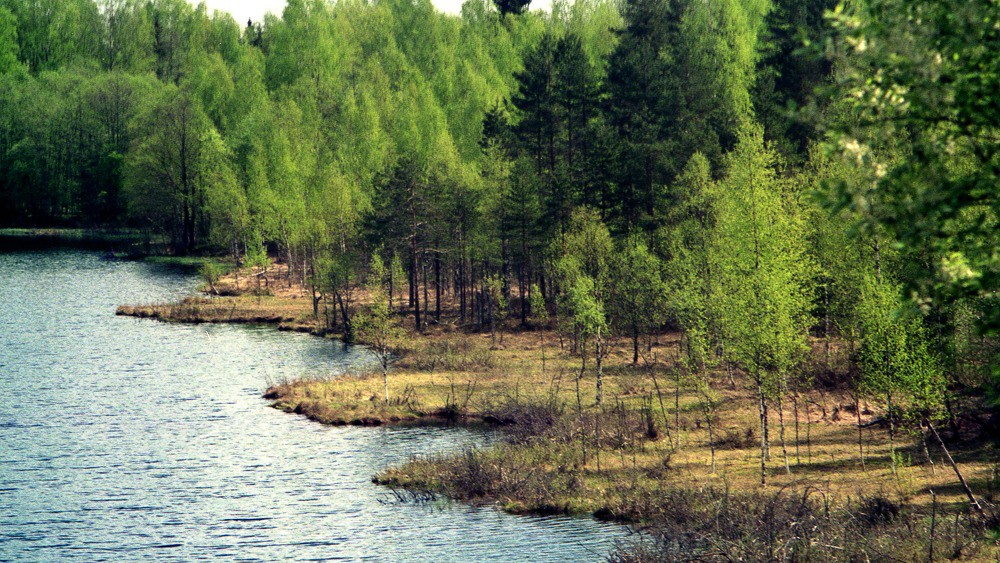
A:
(788, 184)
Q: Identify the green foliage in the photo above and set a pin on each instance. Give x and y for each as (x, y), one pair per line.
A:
(8, 42)
(538, 308)
(937, 69)
(589, 243)
(933, 92)
(605, 155)
(210, 271)
(763, 296)
(378, 275)
(687, 240)
(791, 72)
(893, 354)
(585, 310)
(163, 179)
(378, 329)
(637, 303)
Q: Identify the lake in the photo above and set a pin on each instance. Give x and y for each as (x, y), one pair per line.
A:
(126, 439)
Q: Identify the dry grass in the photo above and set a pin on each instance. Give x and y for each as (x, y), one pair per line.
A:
(237, 301)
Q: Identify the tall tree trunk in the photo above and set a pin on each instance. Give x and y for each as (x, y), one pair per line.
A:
(809, 456)
(861, 447)
(795, 412)
(522, 281)
(461, 287)
(965, 486)
(600, 370)
(423, 270)
(781, 432)
(635, 345)
(763, 435)
(414, 290)
(826, 323)
(711, 435)
(437, 287)
(892, 432)
(663, 409)
(677, 407)
(767, 427)
(412, 275)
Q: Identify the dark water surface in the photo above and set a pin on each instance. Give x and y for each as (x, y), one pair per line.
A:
(138, 440)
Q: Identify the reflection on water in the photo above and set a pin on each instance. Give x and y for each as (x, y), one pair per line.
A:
(130, 439)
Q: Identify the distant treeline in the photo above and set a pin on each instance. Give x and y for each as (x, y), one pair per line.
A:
(748, 171)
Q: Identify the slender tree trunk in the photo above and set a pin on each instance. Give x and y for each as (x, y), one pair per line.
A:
(316, 296)
(763, 436)
(414, 292)
(965, 486)
(437, 287)
(711, 434)
(677, 406)
(861, 447)
(808, 436)
(600, 370)
(423, 270)
(521, 276)
(767, 427)
(462, 269)
(892, 432)
(663, 410)
(930, 548)
(795, 411)
(927, 452)
(385, 382)
(579, 412)
(412, 275)
(826, 322)
(781, 433)
(541, 346)
(635, 345)
(391, 286)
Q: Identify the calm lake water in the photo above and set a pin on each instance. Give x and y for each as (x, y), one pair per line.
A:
(133, 439)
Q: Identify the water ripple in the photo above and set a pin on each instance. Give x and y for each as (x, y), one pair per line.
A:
(137, 440)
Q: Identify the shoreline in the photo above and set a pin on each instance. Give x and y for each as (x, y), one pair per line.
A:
(645, 447)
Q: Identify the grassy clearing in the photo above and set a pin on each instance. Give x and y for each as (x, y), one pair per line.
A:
(645, 454)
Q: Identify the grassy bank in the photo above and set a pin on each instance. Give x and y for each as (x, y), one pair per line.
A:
(233, 298)
(654, 452)
(634, 459)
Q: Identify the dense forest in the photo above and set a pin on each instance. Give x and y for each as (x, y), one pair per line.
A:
(764, 176)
